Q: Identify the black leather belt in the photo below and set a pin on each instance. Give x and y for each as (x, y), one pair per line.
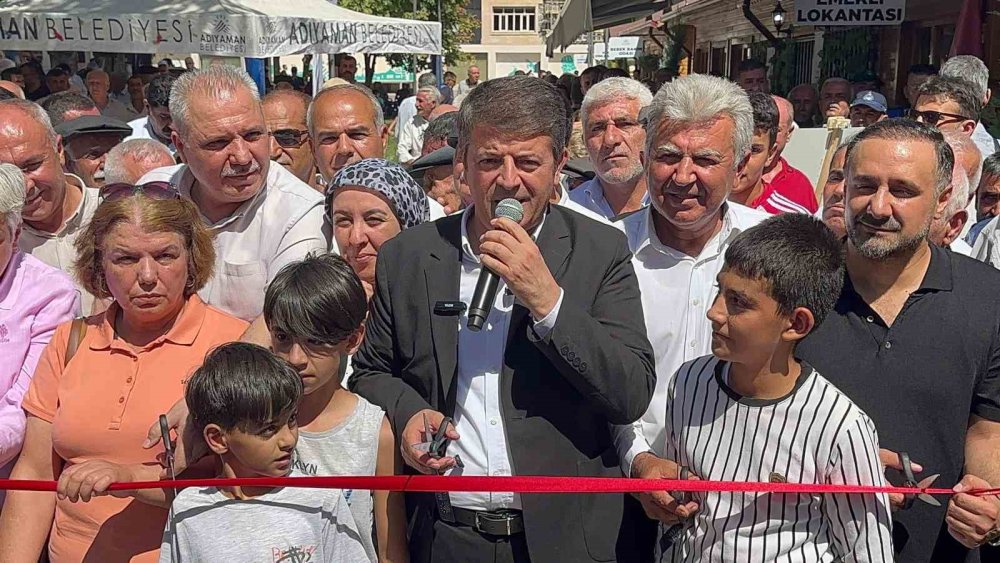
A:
(494, 523)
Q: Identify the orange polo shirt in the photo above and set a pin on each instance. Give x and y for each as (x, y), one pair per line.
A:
(101, 406)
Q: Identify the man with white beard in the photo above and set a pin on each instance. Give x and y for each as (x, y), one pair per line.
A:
(615, 137)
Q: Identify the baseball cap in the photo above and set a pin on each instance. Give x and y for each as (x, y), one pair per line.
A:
(92, 124)
(871, 99)
(441, 157)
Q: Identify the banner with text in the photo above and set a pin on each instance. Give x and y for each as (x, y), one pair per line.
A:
(219, 34)
(849, 12)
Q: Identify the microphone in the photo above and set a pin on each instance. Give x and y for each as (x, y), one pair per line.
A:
(486, 287)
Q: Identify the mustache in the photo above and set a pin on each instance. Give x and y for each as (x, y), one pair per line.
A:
(230, 170)
(886, 224)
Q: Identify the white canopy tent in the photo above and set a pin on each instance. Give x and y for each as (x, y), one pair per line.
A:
(240, 28)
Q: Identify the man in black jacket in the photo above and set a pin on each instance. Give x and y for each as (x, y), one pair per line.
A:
(563, 354)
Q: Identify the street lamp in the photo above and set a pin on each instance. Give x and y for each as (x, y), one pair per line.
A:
(778, 17)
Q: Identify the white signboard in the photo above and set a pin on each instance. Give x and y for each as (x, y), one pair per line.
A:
(806, 147)
(849, 12)
(618, 48)
(220, 34)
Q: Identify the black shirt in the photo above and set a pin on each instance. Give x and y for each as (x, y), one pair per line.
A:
(920, 379)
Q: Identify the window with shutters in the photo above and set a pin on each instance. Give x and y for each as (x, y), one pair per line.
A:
(514, 19)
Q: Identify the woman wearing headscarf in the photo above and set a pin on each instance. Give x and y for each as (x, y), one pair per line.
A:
(368, 203)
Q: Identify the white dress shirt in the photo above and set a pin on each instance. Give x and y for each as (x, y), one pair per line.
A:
(983, 140)
(677, 291)
(281, 224)
(478, 410)
(590, 194)
(959, 246)
(565, 201)
(407, 109)
(141, 129)
(411, 141)
(435, 208)
(59, 249)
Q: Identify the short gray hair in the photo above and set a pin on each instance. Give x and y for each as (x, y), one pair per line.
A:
(427, 79)
(59, 104)
(300, 97)
(970, 69)
(964, 145)
(11, 195)
(377, 114)
(612, 89)
(524, 106)
(699, 99)
(138, 150)
(991, 168)
(209, 81)
(35, 112)
(433, 91)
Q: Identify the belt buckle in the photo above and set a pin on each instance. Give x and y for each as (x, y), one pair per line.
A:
(493, 518)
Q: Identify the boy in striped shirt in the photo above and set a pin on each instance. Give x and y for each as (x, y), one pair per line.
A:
(752, 412)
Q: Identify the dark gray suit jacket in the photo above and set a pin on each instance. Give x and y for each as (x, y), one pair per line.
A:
(559, 393)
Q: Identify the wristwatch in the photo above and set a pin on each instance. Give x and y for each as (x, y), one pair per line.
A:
(992, 538)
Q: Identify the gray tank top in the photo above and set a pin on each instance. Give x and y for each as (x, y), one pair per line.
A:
(348, 449)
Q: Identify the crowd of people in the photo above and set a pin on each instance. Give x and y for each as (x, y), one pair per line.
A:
(296, 303)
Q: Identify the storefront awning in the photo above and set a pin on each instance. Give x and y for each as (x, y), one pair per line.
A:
(580, 16)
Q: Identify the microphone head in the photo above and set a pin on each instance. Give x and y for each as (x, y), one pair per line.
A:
(511, 209)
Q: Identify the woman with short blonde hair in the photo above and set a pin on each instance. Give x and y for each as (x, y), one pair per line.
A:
(94, 395)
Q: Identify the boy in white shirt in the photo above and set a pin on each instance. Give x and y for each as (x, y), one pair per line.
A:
(243, 401)
(753, 412)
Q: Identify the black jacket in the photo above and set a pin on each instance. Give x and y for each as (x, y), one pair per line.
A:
(559, 393)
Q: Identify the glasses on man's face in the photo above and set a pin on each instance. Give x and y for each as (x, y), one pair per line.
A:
(935, 118)
(289, 138)
(152, 190)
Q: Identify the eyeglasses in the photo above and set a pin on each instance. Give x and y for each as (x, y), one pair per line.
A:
(289, 138)
(934, 118)
(152, 190)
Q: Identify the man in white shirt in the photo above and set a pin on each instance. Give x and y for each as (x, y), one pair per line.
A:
(615, 137)
(158, 122)
(974, 71)
(98, 87)
(700, 131)
(464, 87)
(57, 205)
(408, 107)
(263, 217)
(411, 141)
(560, 356)
(346, 124)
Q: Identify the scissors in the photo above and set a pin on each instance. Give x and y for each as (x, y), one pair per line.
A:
(168, 446)
(435, 444)
(911, 481)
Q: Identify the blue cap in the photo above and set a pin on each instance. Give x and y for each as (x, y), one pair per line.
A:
(871, 99)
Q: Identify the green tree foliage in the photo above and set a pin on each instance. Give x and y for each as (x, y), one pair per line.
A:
(457, 27)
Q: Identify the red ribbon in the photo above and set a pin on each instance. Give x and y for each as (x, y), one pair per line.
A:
(532, 484)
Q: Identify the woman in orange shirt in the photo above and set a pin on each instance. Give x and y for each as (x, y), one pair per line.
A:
(148, 250)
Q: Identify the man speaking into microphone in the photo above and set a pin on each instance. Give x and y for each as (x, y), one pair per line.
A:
(561, 354)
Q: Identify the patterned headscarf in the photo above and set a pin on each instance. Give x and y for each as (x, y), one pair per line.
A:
(406, 198)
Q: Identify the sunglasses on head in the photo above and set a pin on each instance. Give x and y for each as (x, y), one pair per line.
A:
(289, 138)
(933, 118)
(152, 190)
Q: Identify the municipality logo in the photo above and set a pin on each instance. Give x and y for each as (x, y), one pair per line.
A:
(221, 25)
(271, 27)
